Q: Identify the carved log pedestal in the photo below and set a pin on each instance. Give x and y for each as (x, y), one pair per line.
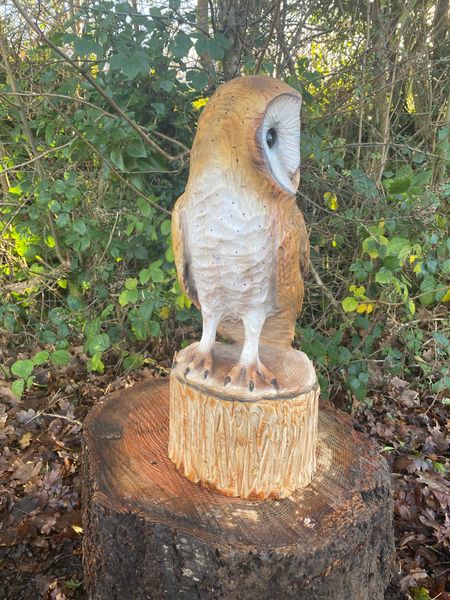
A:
(258, 444)
(150, 533)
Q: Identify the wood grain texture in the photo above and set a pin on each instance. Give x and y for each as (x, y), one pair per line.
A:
(150, 533)
(259, 444)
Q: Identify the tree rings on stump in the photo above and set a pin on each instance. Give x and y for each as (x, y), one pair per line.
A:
(150, 533)
(252, 444)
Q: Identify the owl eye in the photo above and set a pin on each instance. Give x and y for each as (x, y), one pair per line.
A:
(271, 137)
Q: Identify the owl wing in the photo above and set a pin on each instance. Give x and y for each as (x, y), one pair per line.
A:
(181, 251)
(292, 269)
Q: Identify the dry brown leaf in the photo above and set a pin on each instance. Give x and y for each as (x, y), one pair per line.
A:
(25, 440)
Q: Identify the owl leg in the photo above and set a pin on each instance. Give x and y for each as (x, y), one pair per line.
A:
(249, 367)
(202, 359)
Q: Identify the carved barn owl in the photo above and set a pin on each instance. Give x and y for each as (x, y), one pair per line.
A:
(240, 243)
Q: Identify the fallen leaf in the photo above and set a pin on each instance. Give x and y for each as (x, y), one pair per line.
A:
(25, 440)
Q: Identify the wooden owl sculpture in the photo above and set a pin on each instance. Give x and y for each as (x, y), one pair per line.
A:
(240, 243)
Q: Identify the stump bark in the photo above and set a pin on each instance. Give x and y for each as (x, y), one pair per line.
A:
(252, 444)
(150, 533)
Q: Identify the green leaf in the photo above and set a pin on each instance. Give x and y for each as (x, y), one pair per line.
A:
(154, 328)
(180, 45)
(73, 302)
(146, 309)
(399, 247)
(383, 276)
(40, 357)
(215, 49)
(128, 297)
(133, 361)
(85, 45)
(197, 79)
(131, 283)
(117, 159)
(156, 275)
(22, 368)
(137, 150)
(349, 304)
(95, 363)
(144, 276)
(398, 186)
(107, 311)
(60, 358)
(165, 227)
(80, 226)
(131, 65)
(427, 287)
(97, 344)
(371, 247)
(17, 387)
(201, 45)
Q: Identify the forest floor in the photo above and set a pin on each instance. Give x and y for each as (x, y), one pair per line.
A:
(40, 479)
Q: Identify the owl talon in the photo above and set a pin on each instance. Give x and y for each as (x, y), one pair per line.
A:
(205, 374)
(187, 371)
(252, 377)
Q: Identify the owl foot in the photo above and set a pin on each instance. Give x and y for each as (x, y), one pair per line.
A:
(200, 362)
(248, 376)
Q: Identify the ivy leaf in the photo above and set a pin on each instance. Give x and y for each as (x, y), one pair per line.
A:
(22, 368)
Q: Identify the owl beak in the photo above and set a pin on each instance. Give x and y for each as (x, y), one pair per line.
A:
(295, 178)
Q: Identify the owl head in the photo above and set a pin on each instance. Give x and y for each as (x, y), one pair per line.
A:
(250, 128)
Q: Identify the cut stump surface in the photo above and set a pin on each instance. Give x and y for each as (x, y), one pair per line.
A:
(149, 533)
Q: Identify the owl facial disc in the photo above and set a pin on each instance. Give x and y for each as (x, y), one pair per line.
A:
(280, 140)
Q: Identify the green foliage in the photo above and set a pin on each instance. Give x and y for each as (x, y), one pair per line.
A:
(23, 368)
(88, 246)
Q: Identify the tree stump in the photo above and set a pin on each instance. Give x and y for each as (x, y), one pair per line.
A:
(150, 533)
(252, 444)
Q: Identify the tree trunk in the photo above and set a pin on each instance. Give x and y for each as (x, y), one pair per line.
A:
(152, 534)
